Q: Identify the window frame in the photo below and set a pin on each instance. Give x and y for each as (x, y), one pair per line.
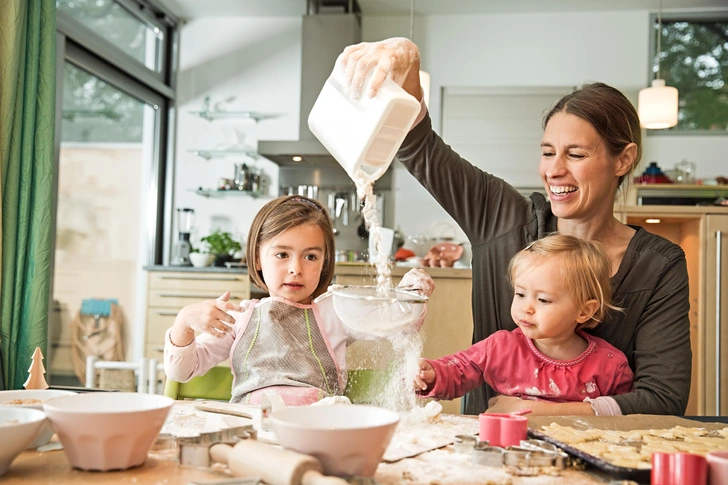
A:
(716, 16)
(87, 50)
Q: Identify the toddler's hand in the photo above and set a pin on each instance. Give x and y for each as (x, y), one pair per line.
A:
(425, 377)
(209, 316)
(417, 280)
(393, 58)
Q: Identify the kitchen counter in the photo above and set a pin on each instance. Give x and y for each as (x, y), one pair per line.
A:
(368, 270)
(344, 269)
(192, 269)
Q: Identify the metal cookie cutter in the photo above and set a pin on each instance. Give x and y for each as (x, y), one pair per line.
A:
(465, 443)
(488, 455)
(195, 451)
(531, 453)
(561, 459)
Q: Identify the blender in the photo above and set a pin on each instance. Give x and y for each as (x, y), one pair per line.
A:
(183, 247)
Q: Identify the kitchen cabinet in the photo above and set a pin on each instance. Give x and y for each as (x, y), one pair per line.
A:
(702, 232)
(170, 289)
(448, 326)
(716, 316)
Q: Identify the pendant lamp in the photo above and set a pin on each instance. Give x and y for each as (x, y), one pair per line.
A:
(657, 105)
(424, 76)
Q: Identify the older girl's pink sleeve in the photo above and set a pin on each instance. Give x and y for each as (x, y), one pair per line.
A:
(183, 363)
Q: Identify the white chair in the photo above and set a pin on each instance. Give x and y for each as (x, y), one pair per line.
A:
(156, 385)
(140, 368)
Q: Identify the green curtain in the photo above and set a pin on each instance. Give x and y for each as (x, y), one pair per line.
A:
(27, 119)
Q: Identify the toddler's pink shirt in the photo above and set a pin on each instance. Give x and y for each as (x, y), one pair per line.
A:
(510, 363)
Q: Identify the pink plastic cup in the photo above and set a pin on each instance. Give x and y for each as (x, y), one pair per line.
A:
(503, 429)
(678, 469)
(717, 467)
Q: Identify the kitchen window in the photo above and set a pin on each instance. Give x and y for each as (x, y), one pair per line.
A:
(694, 59)
(114, 113)
(138, 36)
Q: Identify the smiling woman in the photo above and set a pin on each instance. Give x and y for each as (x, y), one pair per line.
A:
(591, 143)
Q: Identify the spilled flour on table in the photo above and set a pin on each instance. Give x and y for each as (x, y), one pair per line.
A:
(425, 428)
(184, 421)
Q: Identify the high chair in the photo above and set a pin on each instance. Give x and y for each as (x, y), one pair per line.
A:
(364, 386)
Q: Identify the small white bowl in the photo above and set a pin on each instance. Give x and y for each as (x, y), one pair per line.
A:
(348, 440)
(18, 427)
(33, 399)
(201, 260)
(107, 430)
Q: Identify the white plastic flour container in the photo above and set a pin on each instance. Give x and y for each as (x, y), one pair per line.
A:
(363, 135)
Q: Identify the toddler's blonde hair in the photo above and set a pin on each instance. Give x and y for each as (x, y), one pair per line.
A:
(585, 270)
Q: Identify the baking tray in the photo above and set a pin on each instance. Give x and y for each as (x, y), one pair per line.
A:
(622, 423)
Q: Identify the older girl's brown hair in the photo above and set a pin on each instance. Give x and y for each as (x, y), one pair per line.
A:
(585, 270)
(610, 113)
(281, 214)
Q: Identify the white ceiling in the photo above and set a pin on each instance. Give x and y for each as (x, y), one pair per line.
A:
(188, 9)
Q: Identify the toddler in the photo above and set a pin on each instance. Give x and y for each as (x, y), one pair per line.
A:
(561, 286)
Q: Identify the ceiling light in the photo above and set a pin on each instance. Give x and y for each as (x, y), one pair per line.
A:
(658, 103)
(652, 221)
(296, 158)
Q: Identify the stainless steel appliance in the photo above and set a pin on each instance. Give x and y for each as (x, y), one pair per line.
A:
(185, 217)
(334, 189)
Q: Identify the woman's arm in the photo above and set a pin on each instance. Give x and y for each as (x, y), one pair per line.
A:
(483, 205)
(662, 353)
(509, 404)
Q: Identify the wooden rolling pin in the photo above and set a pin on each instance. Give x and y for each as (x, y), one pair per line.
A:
(275, 466)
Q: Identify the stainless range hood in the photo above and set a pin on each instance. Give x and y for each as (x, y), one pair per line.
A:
(324, 36)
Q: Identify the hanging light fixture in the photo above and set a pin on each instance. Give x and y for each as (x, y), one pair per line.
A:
(424, 76)
(658, 103)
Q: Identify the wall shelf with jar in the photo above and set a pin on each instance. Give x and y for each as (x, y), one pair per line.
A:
(219, 193)
(214, 153)
(211, 115)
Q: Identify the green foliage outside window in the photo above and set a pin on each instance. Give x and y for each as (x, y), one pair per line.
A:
(694, 59)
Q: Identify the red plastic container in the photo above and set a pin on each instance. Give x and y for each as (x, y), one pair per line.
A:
(678, 469)
(503, 429)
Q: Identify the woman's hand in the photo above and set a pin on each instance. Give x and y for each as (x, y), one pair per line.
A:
(209, 316)
(417, 280)
(425, 377)
(397, 58)
(509, 404)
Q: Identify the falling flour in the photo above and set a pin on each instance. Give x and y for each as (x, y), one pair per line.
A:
(399, 394)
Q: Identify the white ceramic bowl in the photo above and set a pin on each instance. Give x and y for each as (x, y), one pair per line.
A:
(107, 430)
(33, 399)
(18, 427)
(201, 260)
(348, 440)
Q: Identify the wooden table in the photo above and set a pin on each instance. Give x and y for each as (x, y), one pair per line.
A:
(441, 466)
(36, 468)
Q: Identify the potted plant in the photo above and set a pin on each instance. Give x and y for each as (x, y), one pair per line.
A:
(222, 245)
